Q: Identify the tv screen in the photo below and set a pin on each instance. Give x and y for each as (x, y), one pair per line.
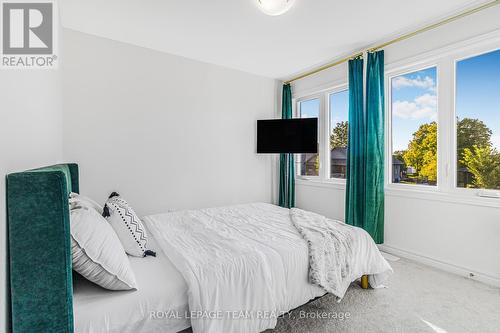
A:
(287, 136)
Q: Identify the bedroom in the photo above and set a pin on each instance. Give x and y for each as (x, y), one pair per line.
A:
(159, 101)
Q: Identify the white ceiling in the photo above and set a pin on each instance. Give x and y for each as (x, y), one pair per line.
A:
(235, 34)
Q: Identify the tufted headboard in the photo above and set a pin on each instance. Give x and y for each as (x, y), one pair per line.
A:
(41, 288)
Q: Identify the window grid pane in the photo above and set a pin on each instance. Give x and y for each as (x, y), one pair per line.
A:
(309, 163)
(478, 121)
(339, 125)
(414, 113)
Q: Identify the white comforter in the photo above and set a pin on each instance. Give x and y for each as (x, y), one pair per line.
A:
(244, 265)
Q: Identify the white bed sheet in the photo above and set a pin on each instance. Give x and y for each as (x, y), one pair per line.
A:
(237, 258)
(159, 304)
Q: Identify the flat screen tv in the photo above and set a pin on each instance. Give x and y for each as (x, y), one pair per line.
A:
(287, 136)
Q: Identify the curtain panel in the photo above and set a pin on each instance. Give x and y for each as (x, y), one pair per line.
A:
(374, 186)
(355, 175)
(287, 166)
(365, 155)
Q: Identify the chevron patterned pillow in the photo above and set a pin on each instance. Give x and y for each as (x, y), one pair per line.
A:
(127, 226)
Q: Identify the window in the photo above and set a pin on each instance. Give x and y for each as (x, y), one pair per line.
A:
(339, 124)
(414, 127)
(477, 109)
(442, 146)
(309, 163)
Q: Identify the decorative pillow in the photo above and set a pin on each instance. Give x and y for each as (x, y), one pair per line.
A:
(127, 226)
(97, 252)
(78, 200)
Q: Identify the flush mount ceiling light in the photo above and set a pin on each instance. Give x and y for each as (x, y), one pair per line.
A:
(275, 7)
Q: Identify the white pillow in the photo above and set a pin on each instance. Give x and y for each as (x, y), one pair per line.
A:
(78, 200)
(127, 226)
(97, 252)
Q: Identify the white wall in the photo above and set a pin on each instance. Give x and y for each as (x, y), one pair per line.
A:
(164, 131)
(455, 236)
(30, 136)
(140, 122)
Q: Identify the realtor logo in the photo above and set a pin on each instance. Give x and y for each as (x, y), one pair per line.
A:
(28, 34)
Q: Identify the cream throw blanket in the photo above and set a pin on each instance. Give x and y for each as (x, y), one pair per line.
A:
(338, 253)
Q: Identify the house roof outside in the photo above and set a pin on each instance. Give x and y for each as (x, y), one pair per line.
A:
(396, 161)
(339, 153)
(339, 157)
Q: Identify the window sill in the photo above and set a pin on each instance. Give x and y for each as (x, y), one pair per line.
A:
(434, 194)
(421, 193)
(332, 184)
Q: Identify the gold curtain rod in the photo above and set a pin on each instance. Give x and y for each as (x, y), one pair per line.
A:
(409, 35)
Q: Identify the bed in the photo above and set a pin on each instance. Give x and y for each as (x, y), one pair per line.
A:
(226, 269)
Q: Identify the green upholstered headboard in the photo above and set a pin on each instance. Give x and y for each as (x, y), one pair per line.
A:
(41, 287)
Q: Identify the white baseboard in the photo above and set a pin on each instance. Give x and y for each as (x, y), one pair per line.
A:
(389, 257)
(462, 271)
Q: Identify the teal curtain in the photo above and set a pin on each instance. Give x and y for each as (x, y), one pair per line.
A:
(355, 178)
(287, 167)
(374, 189)
(365, 156)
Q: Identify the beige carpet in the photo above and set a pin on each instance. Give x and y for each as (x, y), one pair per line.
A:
(418, 299)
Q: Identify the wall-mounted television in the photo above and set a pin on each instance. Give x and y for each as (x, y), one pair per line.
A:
(287, 136)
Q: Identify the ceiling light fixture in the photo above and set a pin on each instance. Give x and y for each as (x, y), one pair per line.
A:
(275, 7)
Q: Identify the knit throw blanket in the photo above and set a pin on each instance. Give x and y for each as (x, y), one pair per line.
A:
(330, 246)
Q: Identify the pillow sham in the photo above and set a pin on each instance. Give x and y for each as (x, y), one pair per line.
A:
(127, 226)
(97, 252)
(77, 200)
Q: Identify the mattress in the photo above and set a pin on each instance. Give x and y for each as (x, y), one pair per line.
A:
(159, 305)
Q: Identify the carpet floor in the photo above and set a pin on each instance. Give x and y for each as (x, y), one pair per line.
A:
(418, 298)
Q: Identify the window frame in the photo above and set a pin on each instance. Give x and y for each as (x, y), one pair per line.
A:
(389, 76)
(337, 89)
(323, 135)
(297, 114)
(445, 59)
(466, 53)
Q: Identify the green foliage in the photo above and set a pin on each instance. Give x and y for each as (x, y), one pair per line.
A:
(474, 149)
(422, 152)
(475, 152)
(340, 135)
(470, 133)
(484, 164)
